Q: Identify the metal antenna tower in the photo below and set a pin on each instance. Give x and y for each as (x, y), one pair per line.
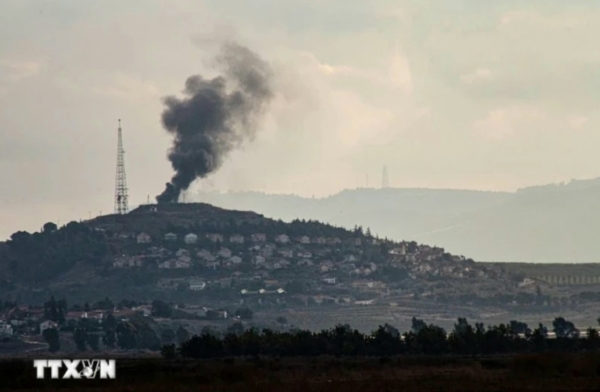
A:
(385, 183)
(121, 181)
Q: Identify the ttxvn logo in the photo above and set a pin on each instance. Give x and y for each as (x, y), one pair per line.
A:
(76, 368)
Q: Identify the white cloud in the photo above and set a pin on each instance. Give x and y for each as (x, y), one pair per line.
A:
(577, 121)
(480, 74)
(505, 122)
(19, 70)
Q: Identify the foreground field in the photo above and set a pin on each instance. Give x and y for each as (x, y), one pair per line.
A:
(547, 372)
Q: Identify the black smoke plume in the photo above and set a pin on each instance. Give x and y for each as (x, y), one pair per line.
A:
(215, 116)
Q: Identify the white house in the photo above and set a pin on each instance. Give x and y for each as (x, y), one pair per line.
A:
(225, 253)
(282, 239)
(304, 254)
(144, 238)
(170, 237)
(197, 285)
(329, 280)
(237, 239)
(190, 238)
(259, 237)
(304, 239)
(236, 260)
(286, 253)
(320, 241)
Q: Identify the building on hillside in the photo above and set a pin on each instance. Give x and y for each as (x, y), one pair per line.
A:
(197, 285)
(304, 239)
(215, 237)
(236, 239)
(259, 260)
(333, 241)
(5, 329)
(304, 254)
(357, 242)
(170, 237)
(320, 240)
(236, 260)
(329, 280)
(259, 237)
(190, 238)
(144, 238)
(225, 253)
(398, 251)
(282, 239)
(267, 251)
(286, 253)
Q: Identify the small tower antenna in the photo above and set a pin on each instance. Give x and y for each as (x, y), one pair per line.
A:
(121, 206)
(384, 178)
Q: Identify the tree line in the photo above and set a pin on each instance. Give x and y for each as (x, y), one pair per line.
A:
(423, 339)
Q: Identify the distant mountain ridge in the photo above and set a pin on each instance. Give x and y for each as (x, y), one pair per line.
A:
(548, 223)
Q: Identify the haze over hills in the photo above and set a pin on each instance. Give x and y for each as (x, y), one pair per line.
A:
(551, 223)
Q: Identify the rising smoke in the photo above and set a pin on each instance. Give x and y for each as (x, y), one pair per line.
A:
(215, 116)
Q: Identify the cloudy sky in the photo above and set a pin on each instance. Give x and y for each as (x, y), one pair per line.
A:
(446, 93)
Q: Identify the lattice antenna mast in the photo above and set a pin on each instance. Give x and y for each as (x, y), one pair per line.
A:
(121, 206)
(385, 183)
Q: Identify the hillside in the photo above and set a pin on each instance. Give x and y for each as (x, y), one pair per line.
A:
(552, 223)
(208, 257)
(154, 244)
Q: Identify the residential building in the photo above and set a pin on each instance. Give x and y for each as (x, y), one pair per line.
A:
(190, 238)
(170, 237)
(304, 239)
(282, 239)
(236, 239)
(197, 285)
(259, 237)
(235, 260)
(225, 253)
(286, 252)
(329, 280)
(144, 238)
(320, 241)
(215, 237)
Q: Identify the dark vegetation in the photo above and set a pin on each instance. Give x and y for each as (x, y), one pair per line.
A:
(423, 339)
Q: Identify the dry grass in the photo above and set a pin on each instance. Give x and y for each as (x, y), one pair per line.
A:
(576, 372)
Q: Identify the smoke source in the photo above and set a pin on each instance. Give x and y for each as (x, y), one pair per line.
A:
(215, 116)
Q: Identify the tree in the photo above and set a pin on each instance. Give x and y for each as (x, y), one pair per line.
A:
(49, 228)
(127, 336)
(93, 341)
(80, 337)
(161, 309)
(182, 335)
(564, 328)
(52, 337)
(417, 325)
(167, 336)
(244, 313)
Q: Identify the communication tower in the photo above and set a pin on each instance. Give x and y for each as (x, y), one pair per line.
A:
(121, 206)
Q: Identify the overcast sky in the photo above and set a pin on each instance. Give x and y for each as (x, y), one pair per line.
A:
(448, 93)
